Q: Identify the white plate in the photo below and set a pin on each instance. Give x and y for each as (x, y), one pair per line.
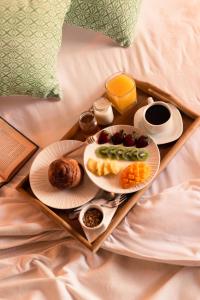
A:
(51, 196)
(111, 183)
(171, 134)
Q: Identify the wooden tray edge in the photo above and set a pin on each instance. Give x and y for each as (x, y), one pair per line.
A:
(59, 221)
(154, 92)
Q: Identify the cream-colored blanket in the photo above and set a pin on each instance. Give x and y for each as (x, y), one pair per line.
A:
(155, 252)
(40, 261)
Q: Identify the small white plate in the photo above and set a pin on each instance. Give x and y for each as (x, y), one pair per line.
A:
(111, 183)
(170, 135)
(51, 196)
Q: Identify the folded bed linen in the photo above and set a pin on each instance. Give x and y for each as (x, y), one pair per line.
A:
(154, 253)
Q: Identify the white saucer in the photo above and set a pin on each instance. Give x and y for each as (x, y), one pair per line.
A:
(170, 135)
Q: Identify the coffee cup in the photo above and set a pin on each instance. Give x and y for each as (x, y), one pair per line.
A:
(157, 116)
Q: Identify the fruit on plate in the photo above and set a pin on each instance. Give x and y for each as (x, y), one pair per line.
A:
(117, 137)
(129, 140)
(134, 174)
(104, 137)
(121, 153)
(103, 168)
(142, 141)
(123, 138)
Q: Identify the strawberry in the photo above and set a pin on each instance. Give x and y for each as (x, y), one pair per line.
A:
(142, 141)
(104, 137)
(129, 140)
(118, 137)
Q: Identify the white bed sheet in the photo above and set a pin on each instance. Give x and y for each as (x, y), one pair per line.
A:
(40, 261)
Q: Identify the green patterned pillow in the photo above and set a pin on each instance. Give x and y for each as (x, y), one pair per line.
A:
(30, 37)
(115, 18)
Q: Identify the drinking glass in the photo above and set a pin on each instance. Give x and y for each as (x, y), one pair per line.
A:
(121, 91)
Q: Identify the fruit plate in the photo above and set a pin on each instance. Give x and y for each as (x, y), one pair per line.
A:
(111, 183)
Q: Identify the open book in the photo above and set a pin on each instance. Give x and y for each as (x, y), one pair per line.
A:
(15, 150)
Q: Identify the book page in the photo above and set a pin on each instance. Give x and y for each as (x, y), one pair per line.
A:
(14, 149)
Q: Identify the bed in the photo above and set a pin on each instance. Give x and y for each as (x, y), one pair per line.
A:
(154, 253)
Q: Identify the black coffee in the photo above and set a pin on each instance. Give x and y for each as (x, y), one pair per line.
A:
(157, 114)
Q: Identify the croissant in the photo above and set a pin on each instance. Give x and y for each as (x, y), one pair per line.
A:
(65, 173)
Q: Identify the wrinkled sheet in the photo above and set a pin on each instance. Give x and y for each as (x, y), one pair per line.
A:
(154, 253)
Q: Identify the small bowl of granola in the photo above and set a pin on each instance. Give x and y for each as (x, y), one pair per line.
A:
(92, 217)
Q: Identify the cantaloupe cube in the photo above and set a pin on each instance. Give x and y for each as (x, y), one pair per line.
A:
(134, 174)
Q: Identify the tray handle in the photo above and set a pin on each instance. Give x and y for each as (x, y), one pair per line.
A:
(166, 97)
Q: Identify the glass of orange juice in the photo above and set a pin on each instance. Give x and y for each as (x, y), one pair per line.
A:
(121, 91)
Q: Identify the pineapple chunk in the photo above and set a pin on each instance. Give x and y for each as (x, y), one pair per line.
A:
(100, 168)
(115, 168)
(92, 165)
(107, 168)
(103, 168)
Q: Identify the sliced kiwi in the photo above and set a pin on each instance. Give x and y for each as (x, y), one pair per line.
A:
(127, 154)
(142, 155)
(120, 153)
(102, 151)
(134, 154)
(112, 152)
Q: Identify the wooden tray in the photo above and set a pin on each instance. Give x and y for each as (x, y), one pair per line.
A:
(190, 122)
